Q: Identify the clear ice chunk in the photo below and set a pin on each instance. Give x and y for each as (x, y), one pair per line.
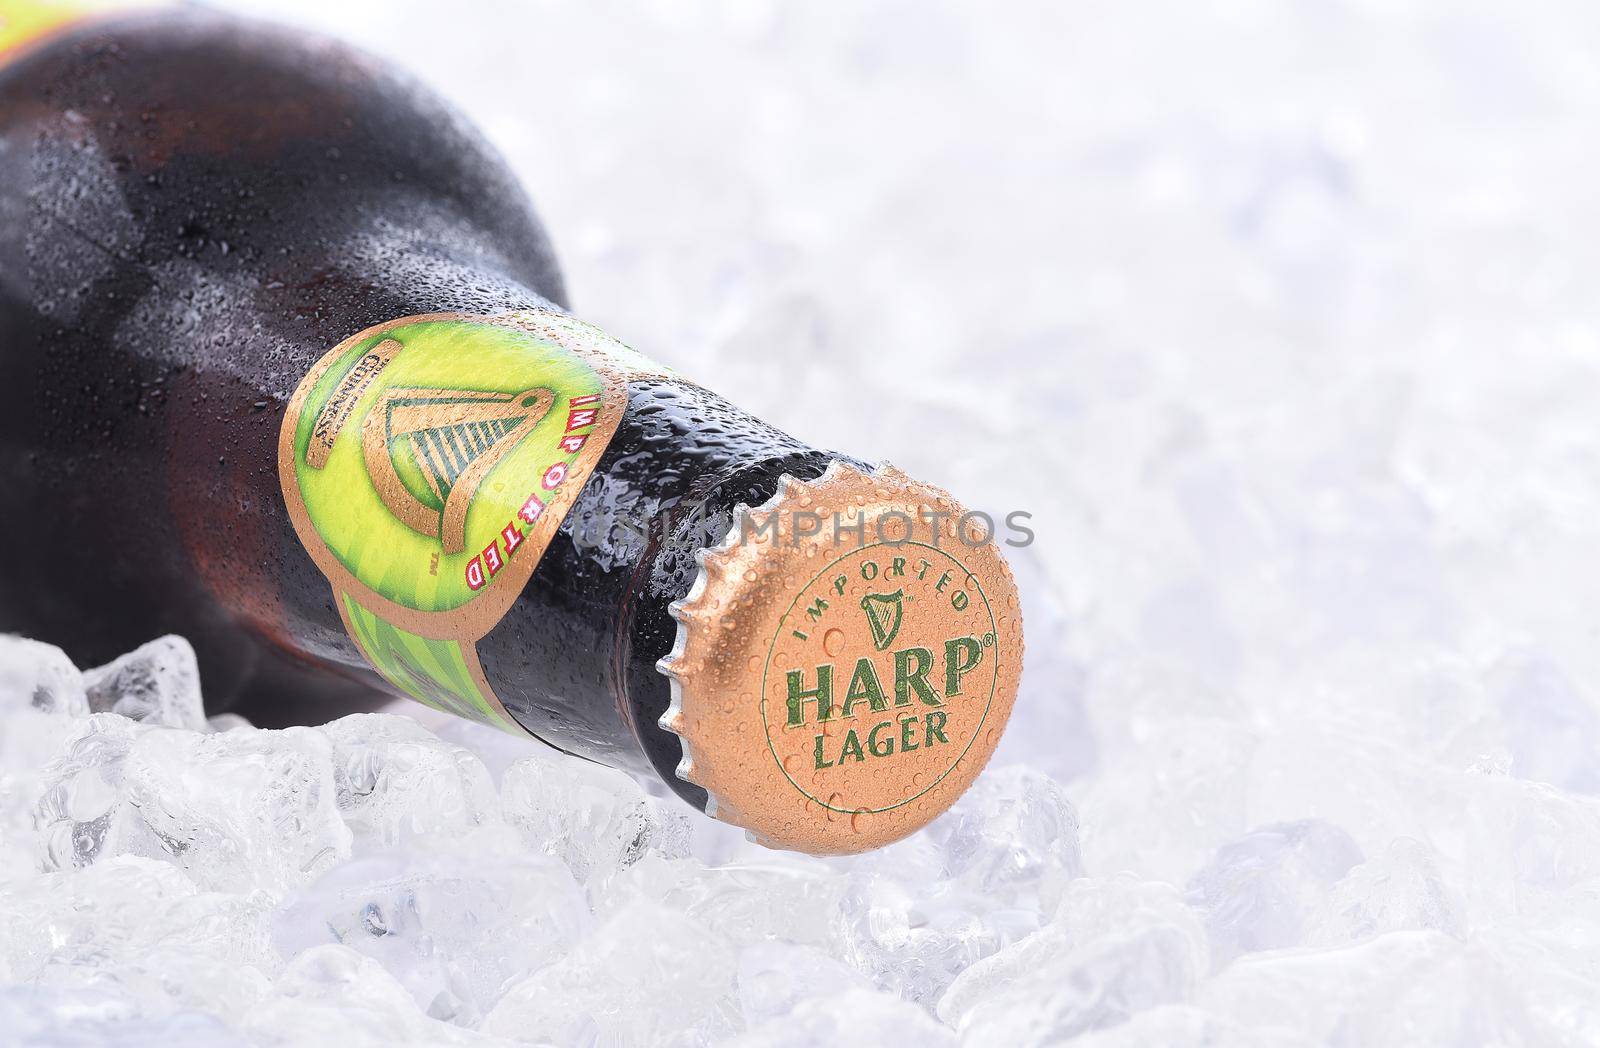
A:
(850, 1016)
(156, 683)
(331, 994)
(1114, 949)
(595, 819)
(913, 938)
(172, 977)
(1399, 890)
(39, 676)
(30, 739)
(1312, 996)
(454, 929)
(238, 810)
(1259, 891)
(103, 913)
(43, 1015)
(1087, 988)
(644, 976)
(82, 811)
(398, 784)
(746, 901)
(773, 977)
(1010, 831)
(918, 913)
(105, 924)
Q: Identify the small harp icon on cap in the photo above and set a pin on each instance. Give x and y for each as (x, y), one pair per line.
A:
(884, 611)
(453, 437)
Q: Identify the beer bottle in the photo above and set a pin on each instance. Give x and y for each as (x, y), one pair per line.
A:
(287, 369)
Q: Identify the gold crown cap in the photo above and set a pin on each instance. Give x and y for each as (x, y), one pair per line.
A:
(846, 661)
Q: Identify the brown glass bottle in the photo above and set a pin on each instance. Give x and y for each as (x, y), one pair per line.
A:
(194, 210)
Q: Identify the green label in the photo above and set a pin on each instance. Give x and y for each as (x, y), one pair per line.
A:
(437, 673)
(427, 463)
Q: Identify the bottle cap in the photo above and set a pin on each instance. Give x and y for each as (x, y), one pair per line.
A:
(846, 661)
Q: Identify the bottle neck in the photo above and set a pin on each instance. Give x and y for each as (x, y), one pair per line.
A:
(577, 665)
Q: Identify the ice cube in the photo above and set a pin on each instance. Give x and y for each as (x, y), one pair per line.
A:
(156, 683)
(397, 783)
(82, 812)
(1517, 842)
(1398, 890)
(1076, 990)
(238, 810)
(758, 898)
(30, 739)
(850, 1016)
(1115, 948)
(36, 1015)
(646, 975)
(38, 675)
(908, 942)
(104, 913)
(1011, 830)
(775, 976)
(168, 978)
(141, 925)
(1260, 890)
(454, 929)
(594, 819)
(333, 995)
(225, 926)
(919, 912)
(1096, 906)
(1314, 996)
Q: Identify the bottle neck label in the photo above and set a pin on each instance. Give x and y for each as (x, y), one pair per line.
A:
(428, 462)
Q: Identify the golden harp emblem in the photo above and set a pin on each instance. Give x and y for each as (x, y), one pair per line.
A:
(446, 440)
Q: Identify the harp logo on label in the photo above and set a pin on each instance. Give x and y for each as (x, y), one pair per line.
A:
(451, 438)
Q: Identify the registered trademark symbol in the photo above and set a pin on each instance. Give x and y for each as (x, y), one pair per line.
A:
(988, 640)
